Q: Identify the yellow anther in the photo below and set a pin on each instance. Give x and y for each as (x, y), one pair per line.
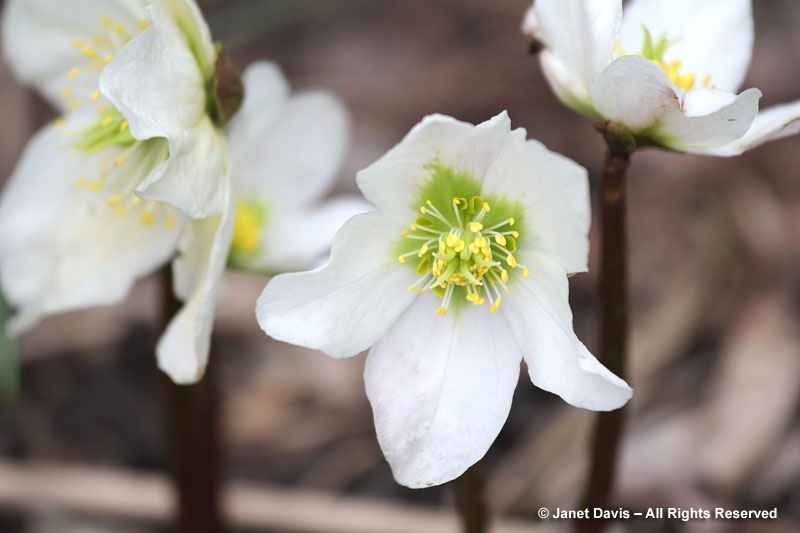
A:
(404, 233)
(515, 234)
(88, 51)
(148, 218)
(460, 245)
(118, 161)
(135, 201)
(123, 126)
(420, 291)
(143, 24)
(707, 80)
(491, 310)
(475, 227)
(74, 72)
(422, 251)
(108, 59)
(77, 44)
(504, 276)
(66, 94)
(59, 122)
(525, 273)
(413, 227)
(114, 199)
(81, 182)
(452, 240)
(171, 223)
(119, 212)
(119, 29)
(442, 247)
(73, 104)
(422, 210)
(497, 302)
(107, 121)
(499, 239)
(95, 96)
(512, 262)
(401, 259)
(455, 201)
(410, 288)
(439, 311)
(106, 21)
(428, 202)
(486, 207)
(96, 186)
(511, 221)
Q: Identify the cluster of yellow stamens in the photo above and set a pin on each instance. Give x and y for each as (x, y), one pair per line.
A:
(110, 134)
(654, 51)
(460, 253)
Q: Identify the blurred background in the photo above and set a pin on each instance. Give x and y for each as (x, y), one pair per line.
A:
(715, 251)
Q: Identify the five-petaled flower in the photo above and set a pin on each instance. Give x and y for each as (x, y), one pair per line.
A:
(665, 71)
(459, 274)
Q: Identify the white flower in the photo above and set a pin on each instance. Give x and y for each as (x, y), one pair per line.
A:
(285, 153)
(666, 71)
(469, 218)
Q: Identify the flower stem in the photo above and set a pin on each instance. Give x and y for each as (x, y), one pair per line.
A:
(470, 499)
(614, 328)
(193, 444)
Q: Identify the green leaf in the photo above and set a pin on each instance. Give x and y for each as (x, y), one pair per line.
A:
(9, 360)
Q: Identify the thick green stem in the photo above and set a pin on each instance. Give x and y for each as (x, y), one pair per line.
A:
(193, 443)
(614, 330)
(471, 501)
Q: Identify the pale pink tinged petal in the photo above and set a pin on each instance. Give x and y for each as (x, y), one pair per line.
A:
(711, 37)
(440, 389)
(540, 317)
(344, 307)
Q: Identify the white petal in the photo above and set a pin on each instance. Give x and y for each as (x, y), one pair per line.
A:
(193, 178)
(440, 389)
(61, 248)
(300, 240)
(344, 307)
(711, 37)
(579, 37)
(294, 157)
(198, 273)
(770, 124)
(392, 182)
(635, 92)
(688, 132)
(189, 19)
(39, 38)
(155, 81)
(538, 311)
(554, 192)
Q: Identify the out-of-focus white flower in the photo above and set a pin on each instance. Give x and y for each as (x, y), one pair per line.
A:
(666, 71)
(469, 218)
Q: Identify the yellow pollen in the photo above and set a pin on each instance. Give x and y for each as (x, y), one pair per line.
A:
(504, 276)
(59, 122)
(96, 186)
(119, 29)
(81, 182)
(455, 201)
(107, 121)
(497, 302)
(525, 273)
(114, 200)
(106, 21)
(123, 126)
(118, 161)
(66, 94)
(404, 233)
(247, 228)
(401, 259)
(511, 261)
(510, 221)
(486, 207)
(423, 250)
(475, 227)
(95, 96)
(143, 24)
(73, 104)
(707, 80)
(148, 218)
(77, 44)
(74, 72)
(499, 239)
(108, 59)
(119, 212)
(171, 223)
(410, 288)
(515, 234)
(439, 311)
(135, 201)
(422, 210)
(413, 227)
(88, 52)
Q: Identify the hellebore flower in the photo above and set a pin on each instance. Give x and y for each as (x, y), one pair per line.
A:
(285, 153)
(667, 72)
(468, 218)
(104, 196)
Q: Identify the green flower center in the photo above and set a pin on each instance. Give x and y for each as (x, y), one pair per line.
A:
(462, 244)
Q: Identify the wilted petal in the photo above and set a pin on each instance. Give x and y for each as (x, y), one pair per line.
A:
(347, 305)
(710, 37)
(440, 389)
(538, 311)
(198, 276)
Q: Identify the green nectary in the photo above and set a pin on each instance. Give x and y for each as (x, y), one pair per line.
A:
(462, 244)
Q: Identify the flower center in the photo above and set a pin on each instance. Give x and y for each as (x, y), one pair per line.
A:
(462, 245)
(250, 219)
(654, 51)
(119, 161)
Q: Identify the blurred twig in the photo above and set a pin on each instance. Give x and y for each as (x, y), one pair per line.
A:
(9, 358)
(246, 21)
